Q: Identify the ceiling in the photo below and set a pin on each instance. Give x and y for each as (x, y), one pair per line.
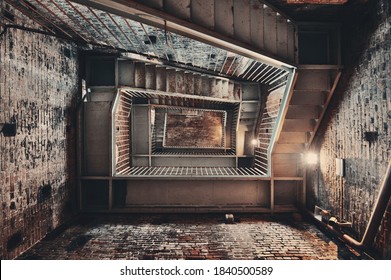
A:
(99, 29)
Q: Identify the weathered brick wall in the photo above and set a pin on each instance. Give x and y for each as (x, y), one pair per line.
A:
(362, 103)
(122, 133)
(38, 87)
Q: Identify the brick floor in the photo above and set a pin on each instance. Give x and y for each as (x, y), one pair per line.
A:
(189, 237)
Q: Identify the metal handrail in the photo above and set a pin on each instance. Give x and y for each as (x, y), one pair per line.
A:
(284, 104)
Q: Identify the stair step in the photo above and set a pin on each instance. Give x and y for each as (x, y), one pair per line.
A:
(313, 80)
(288, 148)
(176, 80)
(250, 106)
(245, 127)
(303, 112)
(308, 97)
(292, 138)
(249, 115)
(246, 121)
(298, 125)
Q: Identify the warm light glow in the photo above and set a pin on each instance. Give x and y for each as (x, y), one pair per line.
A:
(254, 142)
(311, 158)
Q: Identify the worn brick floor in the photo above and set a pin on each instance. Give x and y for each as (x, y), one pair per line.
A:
(188, 237)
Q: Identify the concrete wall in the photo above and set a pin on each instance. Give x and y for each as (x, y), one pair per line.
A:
(362, 103)
(38, 87)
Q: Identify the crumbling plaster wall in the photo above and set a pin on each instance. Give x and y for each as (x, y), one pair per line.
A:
(362, 103)
(38, 89)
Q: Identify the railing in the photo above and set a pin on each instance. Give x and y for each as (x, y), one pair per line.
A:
(234, 126)
(196, 153)
(168, 171)
(269, 128)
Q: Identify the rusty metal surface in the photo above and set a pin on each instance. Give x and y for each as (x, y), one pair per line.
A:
(194, 129)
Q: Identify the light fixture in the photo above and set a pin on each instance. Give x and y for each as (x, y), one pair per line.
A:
(311, 158)
(254, 142)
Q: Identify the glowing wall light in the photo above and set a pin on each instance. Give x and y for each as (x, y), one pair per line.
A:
(311, 158)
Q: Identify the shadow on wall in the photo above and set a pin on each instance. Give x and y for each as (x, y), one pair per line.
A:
(356, 124)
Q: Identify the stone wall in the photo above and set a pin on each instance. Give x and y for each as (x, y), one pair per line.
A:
(361, 104)
(38, 88)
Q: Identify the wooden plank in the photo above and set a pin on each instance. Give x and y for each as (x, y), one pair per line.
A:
(178, 8)
(272, 196)
(224, 21)
(292, 42)
(303, 112)
(292, 137)
(282, 37)
(330, 95)
(270, 30)
(242, 20)
(288, 148)
(308, 97)
(202, 13)
(256, 24)
(310, 79)
(285, 165)
(298, 125)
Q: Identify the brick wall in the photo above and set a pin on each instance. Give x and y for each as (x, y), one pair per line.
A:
(122, 133)
(362, 103)
(38, 87)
